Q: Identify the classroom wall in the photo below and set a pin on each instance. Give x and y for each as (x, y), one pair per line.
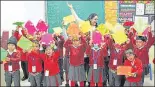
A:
(12, 11)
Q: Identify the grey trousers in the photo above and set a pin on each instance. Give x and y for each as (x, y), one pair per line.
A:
(14, 76)
(114, 79)
(61, 67)
(35, 80)
(131, 84)
(52, 81)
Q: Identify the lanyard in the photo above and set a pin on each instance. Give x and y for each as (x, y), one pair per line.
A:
(33, 60)
(95, 58)
(116, 53)
(11, 56)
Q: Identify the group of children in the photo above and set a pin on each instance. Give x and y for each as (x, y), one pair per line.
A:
(46, 64)
(82, 60)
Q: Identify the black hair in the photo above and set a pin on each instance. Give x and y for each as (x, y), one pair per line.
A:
(91, 16)
(36, 42)
(143, 38)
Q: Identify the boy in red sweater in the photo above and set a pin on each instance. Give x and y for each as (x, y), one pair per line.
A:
(22, 52)
(141, 45)
(34, 65)
(116, 59)
(66, 61)
(76, 59)
(133, 78)
(59, 41)
(11, 66)
(51, 67)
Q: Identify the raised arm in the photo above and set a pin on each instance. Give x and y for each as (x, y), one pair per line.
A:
(151, 38)
(74, 13)
(17, 58)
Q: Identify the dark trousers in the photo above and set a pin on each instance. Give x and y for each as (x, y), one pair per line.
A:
(106, 62)
(24, 68)
(61, 67)
(86, 67)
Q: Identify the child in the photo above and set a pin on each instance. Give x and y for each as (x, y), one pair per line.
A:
(51, 67)
(96, 55)
(22, 52)
(116, 59)
(11, 66)
(59, 41)
(76, 59)
(34, 65)
(141, 48)
(66, 61)
(134, 78)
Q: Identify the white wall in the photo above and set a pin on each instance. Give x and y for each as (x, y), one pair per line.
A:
(12, 11)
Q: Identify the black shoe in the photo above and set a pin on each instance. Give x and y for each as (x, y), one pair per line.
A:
(62, 79)
(66, 85)
(24, 78)
(76, 85)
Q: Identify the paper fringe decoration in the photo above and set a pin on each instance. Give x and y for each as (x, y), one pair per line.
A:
(30, 27)
(103, 29)
(46, 39)
(24, 43)
(85, 26)
(119, 37)
(3, 54)
(19, 24)
(57, 30)
(73, 29)
(68, 19)
(42, 26)
(140, 25)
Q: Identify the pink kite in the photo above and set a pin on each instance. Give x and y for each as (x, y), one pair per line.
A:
(30, 27)
(42, 26)
(46, 39)
(97, 37)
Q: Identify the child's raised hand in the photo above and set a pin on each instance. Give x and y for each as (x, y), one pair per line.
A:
(69, 5)
(7, 59)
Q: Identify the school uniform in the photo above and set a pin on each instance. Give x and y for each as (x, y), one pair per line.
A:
(34, 68)
(59, 41)
(96, 63)
(116, 59)
(11, 68)
(51, 70)
(23, 55)
(66, 61)
(136, 68)
(142, 53)
(76, 60)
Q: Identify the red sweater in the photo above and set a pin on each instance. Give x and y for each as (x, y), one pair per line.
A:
(76, 54)
(98, 54)
(138, 69)
(18, 36)
(114, 55)
(59, 43)
(34, 59)
(143, 52)
(68, 42)
(51, 63)
(14, 61)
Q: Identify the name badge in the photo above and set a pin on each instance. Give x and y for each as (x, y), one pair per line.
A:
(95, 66)
(115, 62)
(33, 68)
(46, 73)
(10, 68)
